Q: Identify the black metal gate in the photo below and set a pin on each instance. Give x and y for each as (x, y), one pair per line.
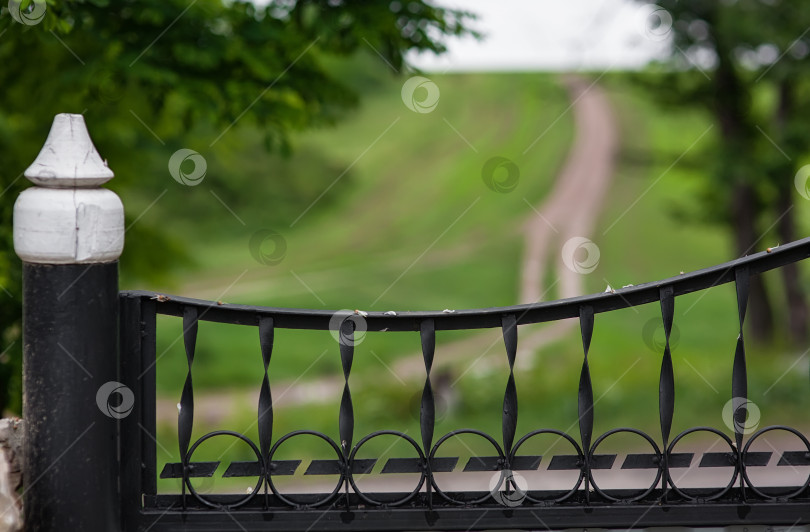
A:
(585, 504)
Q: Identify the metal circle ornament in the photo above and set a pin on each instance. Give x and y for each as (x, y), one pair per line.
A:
(484, 435)
(643, 492)
(327, 497)
(239, 502)
(578, 453)
(734, 461)
(408, 496)
(759, 491)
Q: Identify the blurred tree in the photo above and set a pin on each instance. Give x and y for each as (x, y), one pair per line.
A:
(745, 62)
(181, 68)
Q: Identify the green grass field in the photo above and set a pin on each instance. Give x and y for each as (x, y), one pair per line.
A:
(411, 226)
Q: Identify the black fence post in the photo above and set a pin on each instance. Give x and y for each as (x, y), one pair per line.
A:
(69, 233)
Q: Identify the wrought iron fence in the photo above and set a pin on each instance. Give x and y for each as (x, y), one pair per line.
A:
(427, 506)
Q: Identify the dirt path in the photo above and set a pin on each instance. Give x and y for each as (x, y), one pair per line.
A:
(573, 207)
(571, 210)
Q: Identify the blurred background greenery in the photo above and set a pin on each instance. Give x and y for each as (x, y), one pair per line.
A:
(297, 109)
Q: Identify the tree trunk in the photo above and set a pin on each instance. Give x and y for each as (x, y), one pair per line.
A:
(731, 102)
(786, 228)
(760, 314)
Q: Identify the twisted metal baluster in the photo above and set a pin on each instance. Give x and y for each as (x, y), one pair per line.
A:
(185, 416)
(510, 404)
(585, 396)
(346, 416)
(266, 334)
(666, 383)
(739, 376)
(427, 412)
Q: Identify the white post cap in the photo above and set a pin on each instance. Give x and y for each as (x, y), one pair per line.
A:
(68, 158)
(67, 218)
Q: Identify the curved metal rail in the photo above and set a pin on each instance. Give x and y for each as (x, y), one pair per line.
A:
(288, 318)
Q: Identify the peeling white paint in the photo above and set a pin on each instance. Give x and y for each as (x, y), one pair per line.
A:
(68, 219)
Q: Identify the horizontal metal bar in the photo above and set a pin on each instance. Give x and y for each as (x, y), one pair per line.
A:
(651, 461)
(526, 463)
(281, 467)
(717, 460)
(414, 465)
(483, 463)
(361, 466)
(530, 517)
(564, 462)
(252, 469)
(757, 459)
(195, 470)
(728, 459)
(235, 469)
(277, 468)
(794, 458)
(494, 463)
(333, 467)
(488, 317)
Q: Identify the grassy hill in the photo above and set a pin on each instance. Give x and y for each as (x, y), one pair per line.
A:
(410, 226)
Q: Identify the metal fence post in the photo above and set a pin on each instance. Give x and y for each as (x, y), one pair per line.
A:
(69, 233)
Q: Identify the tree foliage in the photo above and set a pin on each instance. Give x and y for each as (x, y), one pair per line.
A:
(208, 68)
(746, 64)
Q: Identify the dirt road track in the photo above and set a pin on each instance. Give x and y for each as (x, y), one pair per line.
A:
(574, 205)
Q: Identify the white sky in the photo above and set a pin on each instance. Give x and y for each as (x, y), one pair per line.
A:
(550, 35)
